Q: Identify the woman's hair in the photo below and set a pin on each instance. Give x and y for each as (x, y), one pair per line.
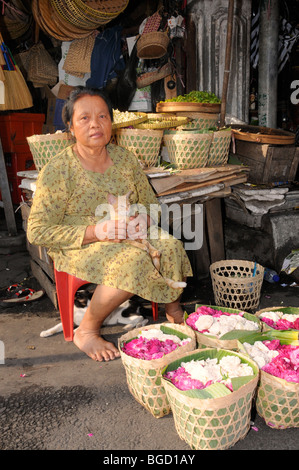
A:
(78, 92)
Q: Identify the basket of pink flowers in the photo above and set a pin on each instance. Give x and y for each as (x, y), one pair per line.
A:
(210, 392)
(144, 353)
(220, 327)
(279, 318)
(277, 356)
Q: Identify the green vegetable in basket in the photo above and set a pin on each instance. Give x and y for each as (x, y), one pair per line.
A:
(195, 97)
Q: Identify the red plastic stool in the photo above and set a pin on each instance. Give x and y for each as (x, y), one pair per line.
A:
(66, 288)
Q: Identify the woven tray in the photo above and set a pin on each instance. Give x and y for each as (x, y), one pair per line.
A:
(173, 107)
(144, 143)
(141, 117)
(234, 285)
(144, 377)
(188, 149)
(211, 423)
(162, 121)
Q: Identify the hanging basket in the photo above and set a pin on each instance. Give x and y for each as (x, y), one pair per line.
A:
(150, 77)
(234, 285)
(44, 147)
(188, 149)
(144, 377)
(210, 420)
(152, 45)
(144, 143)
(219, 150)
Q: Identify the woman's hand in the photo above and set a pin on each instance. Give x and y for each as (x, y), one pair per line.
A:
(111, 230)
(137, 227)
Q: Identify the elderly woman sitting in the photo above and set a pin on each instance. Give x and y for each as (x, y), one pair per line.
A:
(65, 218)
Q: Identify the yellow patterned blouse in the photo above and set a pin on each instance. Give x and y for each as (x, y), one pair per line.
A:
(65, 202)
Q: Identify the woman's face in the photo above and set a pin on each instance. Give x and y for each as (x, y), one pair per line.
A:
(91, 123)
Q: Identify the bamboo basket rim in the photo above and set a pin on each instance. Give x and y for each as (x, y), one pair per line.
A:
(164, 121)
(136, 132)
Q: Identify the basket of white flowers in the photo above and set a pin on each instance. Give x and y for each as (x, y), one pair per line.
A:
(277, 355)
(220, 327)
(144, 353)
(210, 392)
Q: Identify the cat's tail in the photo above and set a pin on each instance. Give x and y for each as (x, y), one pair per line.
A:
(175, 284)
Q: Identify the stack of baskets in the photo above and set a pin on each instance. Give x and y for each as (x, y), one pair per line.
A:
(145, 139)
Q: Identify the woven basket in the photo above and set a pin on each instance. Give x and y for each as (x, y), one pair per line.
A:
(188, 150)
(277, 401)
(234, 285)
(144, 377)
(219, 150)
(152, 45)
(211, 423)
(290, 310)
(44, 147)
(144, 143)
(209, 341)
(199, 120)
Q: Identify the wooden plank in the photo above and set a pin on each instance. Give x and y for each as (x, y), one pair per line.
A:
(215, 229)
(229, 180)
(45, 282)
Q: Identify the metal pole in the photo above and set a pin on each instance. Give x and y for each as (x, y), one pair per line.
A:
(268, 60)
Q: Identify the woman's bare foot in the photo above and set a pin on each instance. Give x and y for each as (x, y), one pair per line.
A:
(94, 346)
(174, 313)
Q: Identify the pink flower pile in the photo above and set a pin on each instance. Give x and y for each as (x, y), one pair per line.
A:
(183, 381)
(286, 364)
(149, 349)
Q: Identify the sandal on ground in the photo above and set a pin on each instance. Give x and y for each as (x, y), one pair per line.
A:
(21, 294)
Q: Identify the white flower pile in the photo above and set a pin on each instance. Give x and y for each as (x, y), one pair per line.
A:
(260, 353)
(211, 369)
(218, 326)
(154, 333)
(123, 116)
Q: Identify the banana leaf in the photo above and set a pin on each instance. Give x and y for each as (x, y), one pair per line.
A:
(215, 390)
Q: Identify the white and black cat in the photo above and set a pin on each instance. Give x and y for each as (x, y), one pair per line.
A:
(127, 314)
